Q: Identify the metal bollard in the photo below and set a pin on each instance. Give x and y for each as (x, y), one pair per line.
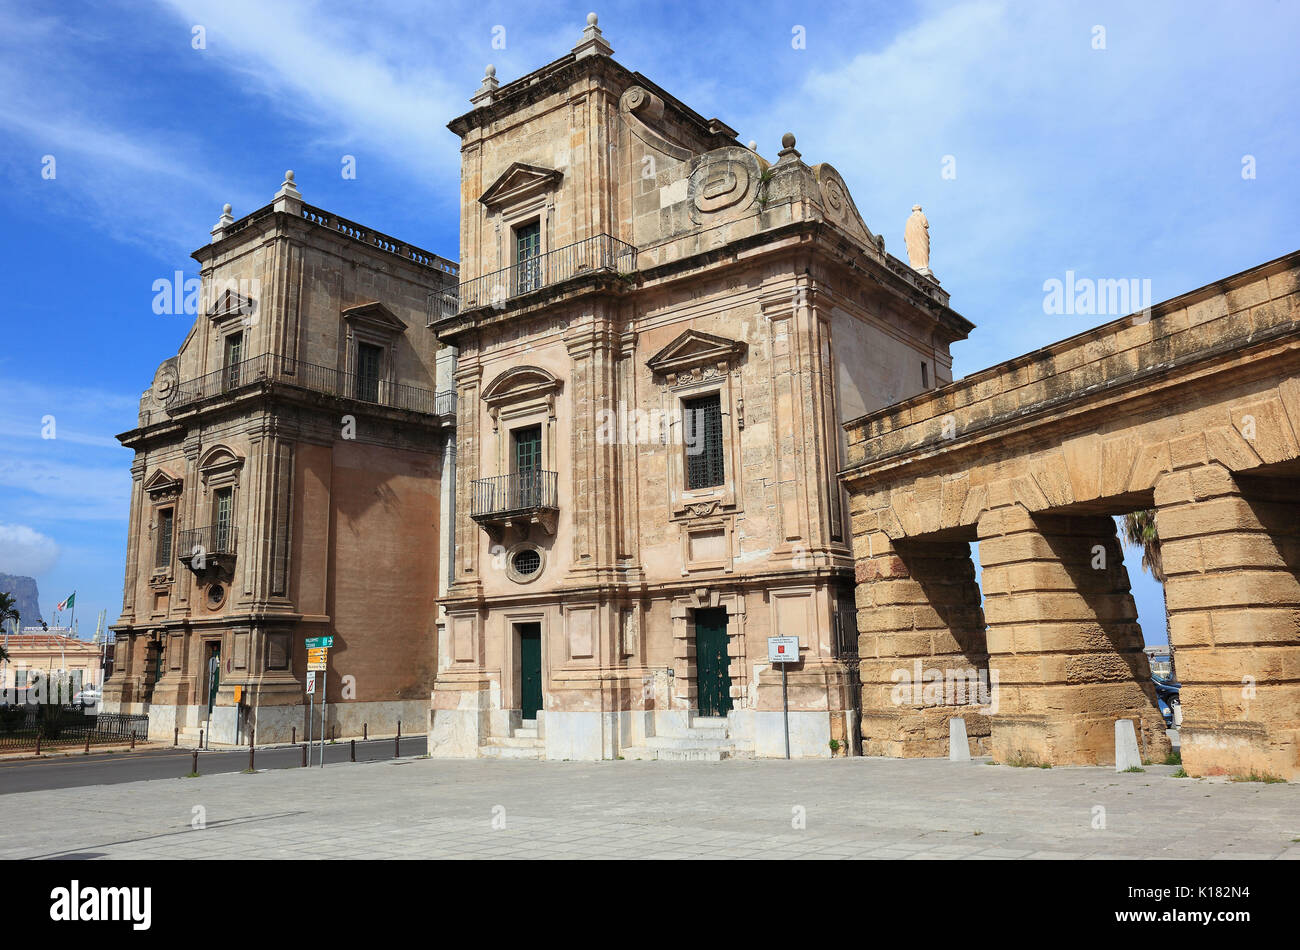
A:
(195, 769)
(399, 728)
(397, 746)
(353, 749)
(132, 740)
(365, 732)
(304, 756)
(294, 740)
(88, 743)
(38, 743)
(250, 759)
(200, 738)
(176, 736)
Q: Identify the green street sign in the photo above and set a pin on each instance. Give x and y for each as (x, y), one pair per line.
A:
(315, 643)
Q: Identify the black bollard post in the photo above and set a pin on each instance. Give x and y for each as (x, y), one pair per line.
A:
(304, 756)
(353, 748)
(200, 738)
(88, 743)
(294, 740)
(38, 743)
(365, 731)
(176, 736)
(195, 769)
(132, 739)
(397, 746)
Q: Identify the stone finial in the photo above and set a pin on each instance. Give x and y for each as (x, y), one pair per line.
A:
(788, 152)
(916, 235)
(225, 221)
(592, 42)
(288, 198)
(753, 146)
(487, 90)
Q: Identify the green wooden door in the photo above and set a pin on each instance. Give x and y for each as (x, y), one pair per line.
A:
(213, 672)
(713, 683)
(530, 669)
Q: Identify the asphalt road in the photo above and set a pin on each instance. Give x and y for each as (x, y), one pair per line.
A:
(112, 768)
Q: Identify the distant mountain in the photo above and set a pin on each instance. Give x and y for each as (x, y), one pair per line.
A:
(26, 598)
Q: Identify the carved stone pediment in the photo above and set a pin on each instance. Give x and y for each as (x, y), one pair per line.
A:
(521, 384)
(698, 353)
(230, 303)
(162, 484)
(374, 316)
(518, 183)
(219, 465)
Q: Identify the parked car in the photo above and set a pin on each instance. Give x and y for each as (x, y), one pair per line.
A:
(1168, 701)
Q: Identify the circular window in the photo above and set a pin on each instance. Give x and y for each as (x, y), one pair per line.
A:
(524, 562)
(216, 595)
(527, 562)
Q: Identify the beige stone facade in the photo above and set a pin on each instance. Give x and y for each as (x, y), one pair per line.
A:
(626, 261)
(1193, 409)
(286, 485)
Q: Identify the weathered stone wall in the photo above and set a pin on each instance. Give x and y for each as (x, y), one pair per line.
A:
(1192, 409)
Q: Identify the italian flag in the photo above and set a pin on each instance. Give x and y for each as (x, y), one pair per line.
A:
(72, 599)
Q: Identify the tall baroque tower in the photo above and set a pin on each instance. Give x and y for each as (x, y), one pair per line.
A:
(660, 334)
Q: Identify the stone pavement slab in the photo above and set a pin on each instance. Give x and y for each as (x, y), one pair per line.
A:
(925, 809)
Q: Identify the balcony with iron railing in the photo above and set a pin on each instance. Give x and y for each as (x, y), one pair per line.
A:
(600, 254)
(521, 498)
(283, 371)
(210, 546)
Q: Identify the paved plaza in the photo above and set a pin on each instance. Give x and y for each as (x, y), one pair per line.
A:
(850, 808)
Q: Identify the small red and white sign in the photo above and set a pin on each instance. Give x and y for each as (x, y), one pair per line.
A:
(783, 649)
(311, 683)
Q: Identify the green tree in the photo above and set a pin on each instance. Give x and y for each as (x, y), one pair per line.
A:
(1140, 531)
(8, 612)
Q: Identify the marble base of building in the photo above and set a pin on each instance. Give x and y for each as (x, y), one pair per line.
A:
(472, 723)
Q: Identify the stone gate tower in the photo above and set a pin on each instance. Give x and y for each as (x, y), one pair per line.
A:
(659, 336)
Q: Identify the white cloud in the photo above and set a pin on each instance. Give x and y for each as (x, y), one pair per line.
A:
(351, 73)
(26, 552)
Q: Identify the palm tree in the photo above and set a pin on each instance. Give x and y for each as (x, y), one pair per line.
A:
(1140, 531)
(8, 612)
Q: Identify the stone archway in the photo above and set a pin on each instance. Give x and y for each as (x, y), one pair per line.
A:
(1193, 410)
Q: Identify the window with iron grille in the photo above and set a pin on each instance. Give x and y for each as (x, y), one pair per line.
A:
(702, 421)
(221, 531)
(163, 550)
(233, 356)
(528, 250)
(368, 360)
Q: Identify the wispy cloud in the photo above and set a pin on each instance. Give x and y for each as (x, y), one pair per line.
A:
(25, 551)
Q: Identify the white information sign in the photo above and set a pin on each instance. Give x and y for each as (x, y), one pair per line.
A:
(783, 649)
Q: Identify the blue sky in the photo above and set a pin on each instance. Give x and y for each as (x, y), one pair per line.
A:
(1117, 162)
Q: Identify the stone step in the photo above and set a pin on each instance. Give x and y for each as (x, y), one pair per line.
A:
(688, 742)
(678, 754)
(526, 732)
(709, 722)
(511, 752)
(513, 742)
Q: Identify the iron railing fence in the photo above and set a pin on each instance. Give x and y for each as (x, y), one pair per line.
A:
(603, 252)
(269, 367)
(207, 541)
(55, 725)
(523, 491)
